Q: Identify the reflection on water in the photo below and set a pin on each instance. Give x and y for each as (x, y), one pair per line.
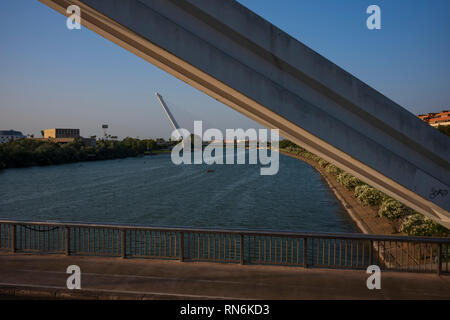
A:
(153, 191)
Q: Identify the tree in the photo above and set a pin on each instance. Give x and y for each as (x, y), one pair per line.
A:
(29, 152)
(151, 144)
(444, 129)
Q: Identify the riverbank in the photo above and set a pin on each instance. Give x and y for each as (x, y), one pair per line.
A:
(365, 217)
(30, 152)
(156, 152)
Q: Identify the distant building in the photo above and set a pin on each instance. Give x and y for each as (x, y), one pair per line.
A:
(10, 135)
(436, 119)
(61, 133)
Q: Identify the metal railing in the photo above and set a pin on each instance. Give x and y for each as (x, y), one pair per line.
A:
(341, 251)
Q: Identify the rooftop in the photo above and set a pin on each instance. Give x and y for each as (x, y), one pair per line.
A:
(10, 133)
(433, 117)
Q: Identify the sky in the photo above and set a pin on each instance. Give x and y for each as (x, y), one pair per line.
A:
(54, 77)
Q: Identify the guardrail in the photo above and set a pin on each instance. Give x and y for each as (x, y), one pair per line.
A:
(326, 250)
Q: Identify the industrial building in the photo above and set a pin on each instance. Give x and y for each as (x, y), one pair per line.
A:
(61, 135)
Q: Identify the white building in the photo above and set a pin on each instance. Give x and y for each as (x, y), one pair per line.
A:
(9, 135)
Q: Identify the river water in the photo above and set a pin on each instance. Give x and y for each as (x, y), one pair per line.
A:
(152, 191)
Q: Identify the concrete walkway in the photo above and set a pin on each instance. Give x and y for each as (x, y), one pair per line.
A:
(114, 278)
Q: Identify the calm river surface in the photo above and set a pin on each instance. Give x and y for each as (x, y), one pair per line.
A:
(152, 191)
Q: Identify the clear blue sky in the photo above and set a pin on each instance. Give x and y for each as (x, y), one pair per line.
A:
(53, 77)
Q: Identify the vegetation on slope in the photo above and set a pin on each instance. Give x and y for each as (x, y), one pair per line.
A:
(410, 222)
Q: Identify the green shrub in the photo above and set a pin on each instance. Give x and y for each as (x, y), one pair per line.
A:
(392, 209)
(314, 157)
(348, 181)
(323, 163)
(360, 189)
(286, 144)
(308, 154)
(419, 225)
(368, 196)
(331, 168)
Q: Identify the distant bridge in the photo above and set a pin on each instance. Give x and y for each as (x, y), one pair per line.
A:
(230, 53)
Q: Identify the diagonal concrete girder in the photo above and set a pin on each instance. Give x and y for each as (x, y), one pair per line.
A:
(235, 56)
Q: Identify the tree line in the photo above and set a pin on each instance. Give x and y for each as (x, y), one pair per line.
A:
(30, 152)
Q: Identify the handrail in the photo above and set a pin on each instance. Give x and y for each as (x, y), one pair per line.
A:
(250, 232)
(307, 249)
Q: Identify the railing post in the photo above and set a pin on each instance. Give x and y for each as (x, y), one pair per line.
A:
(242, 248)
(67, 241)
(124, 243)
(13, 238)
(439, 254)
(305, 250)
(181, 246)
(371, 253)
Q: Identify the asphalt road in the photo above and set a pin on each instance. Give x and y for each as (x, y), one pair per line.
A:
(110, 278)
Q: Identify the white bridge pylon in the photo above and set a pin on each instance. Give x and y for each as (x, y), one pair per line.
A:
(169, 115)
